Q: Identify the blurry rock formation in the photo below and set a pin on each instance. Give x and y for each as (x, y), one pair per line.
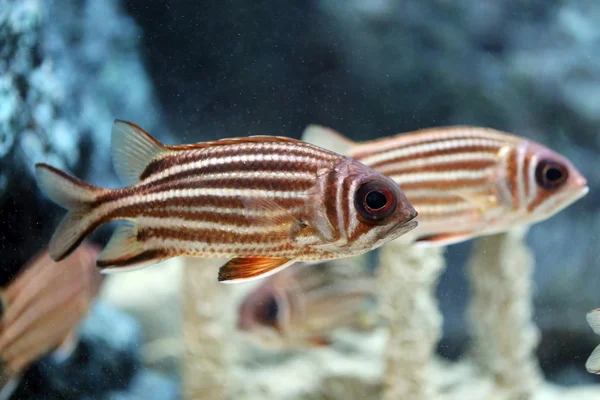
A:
(67, 69)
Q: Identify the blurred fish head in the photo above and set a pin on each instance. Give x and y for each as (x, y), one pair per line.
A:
(302, 306)
(261, 308)
(549, 183)
(364, 209)
(264, 315)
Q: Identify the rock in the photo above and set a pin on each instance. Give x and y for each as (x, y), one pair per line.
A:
(67, 70)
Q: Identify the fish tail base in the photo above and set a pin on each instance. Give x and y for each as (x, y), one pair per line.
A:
(75, 195)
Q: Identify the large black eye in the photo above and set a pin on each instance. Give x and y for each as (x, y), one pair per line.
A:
(269, 311)
(375, 200)
(551, 175)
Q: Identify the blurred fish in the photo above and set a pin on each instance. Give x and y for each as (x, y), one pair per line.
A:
(593, 363)
(44, 305)
(301, 307)
(264, 201)
(466, 181)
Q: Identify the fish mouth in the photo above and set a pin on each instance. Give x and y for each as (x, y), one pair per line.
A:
(409, 225)
(411, 219)
(584, 190)
(405, 227)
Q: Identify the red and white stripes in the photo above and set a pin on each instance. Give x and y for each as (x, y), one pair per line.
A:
(468, 179)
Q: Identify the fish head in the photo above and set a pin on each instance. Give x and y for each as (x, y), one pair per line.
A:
(379, 211)
(305, 307)
(553, 182)
(266, 314)
(262, 308)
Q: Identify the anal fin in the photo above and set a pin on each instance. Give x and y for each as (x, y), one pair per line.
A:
(247, 269)
(124, 252)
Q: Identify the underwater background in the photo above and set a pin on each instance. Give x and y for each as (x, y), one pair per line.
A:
(193, 71)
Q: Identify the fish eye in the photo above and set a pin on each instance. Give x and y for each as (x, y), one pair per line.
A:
(550, 174)
(375, 200)
(269, 311)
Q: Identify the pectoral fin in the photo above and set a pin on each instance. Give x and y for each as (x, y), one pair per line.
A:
(241, 270)
(273, 215)
(480, 201)
(444, 239)
(331, 247)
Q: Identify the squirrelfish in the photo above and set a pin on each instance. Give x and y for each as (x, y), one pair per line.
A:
(262, 201)
(593, 363)
(466, 181)
(302, 307)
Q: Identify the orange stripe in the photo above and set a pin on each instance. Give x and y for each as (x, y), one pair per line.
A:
(445, 185)
(513, 177)
(444, 167)
(156, 208)
(432, 153)
(233, 150)
(214, 236)
(406, 141)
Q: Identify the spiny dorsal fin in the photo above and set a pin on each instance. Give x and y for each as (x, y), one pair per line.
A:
(132, 150)
(248, 269)
(327, 138)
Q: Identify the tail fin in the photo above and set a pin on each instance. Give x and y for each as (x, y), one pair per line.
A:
(76, 196)
(327, 138)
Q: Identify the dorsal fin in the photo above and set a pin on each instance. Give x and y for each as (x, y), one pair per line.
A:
(327, 138)
(132, 150)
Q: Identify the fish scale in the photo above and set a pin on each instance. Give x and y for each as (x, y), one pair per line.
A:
(263, 201)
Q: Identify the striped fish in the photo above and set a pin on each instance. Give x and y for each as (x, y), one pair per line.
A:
(302, 307)
(262, 201)
(466, 181)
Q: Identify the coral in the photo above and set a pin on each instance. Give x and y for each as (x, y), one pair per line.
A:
(407, 277)
(501, 311)
(31, 94)
(205, 335)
